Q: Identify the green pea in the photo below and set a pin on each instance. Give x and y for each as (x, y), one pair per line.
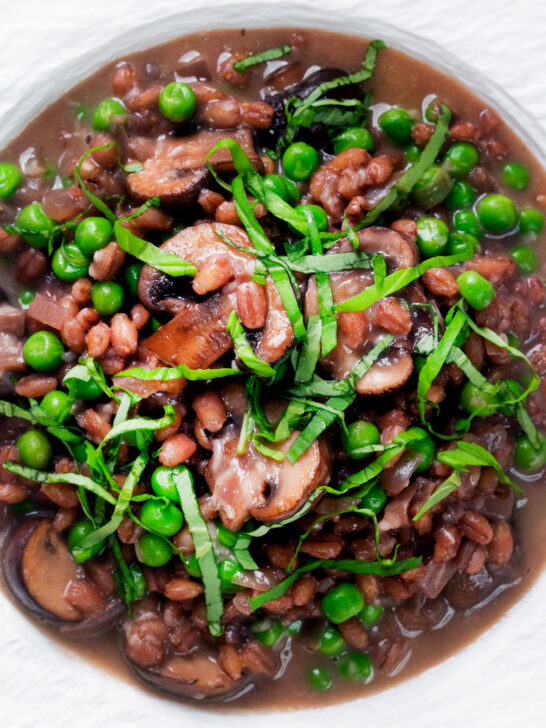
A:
(460, 159)
(299, 161)
(319, 679)
(26, 297)
(475, 289)
(375, 499)
(267, 631)
(371, 614)
(88, 390)
(355, 666)
(359, 434)
(107, 297)
(67, 263)
(92, 234)
(283, 187)
(153, 550)
(463, 243)
(432, 188)
(497, 213)
(413, 152)
(342, 603)
(34, 449)
(465, 221)
(294, 628)
(226, 537)
(228, 570)
(432, 236)
(473, 399)
(163, 519)
(192, 567)
(56, 404)
(526, 456)
(525, 257)
(43, 351)
(424, 446)
(79, 531)
(163, 484)
(531, 221)
(331, 643)
(177, 102)
(108, 111)
(461, 195)
(10, 179)
(516, 175)
(355, 137)
(397, 124)
(318, 213)
(154, 323)
(35, 226)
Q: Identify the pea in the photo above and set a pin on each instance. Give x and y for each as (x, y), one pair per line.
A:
(526, 456)
(424, 446)
(432, 236)
(107, 297)
(105, 113)
(396, 124)
(413, 152)
(342, 603)
(226, 537)
(525, 257)
(227, 571)
(460, 159)
(375, 499)
(318, 213)
(319, 679)
(463, 243)
(355, 137)
(163, 485)
(153, 550)
(43, 351)
(283, 187)
(66, 266)
(10, 179)
(475, 289)
(177, 101)
(36, 226)
(432, 188)
(461, 195)
(93, 234)
(34, 449)
(331, 643)
(531, 221)
(294, 628)
(192, 567)
(473, 398)
(164, 519)
(154, 323)
(497, 213)
(267, 631)
(56, 404)
(465, 221)
(79, 531)
(516, 175)
(88, 390)
(299, 161)
(355, 666)
(359, 434)
(370, 614)
(26, 297)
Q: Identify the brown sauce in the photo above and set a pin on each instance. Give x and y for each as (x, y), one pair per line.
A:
(398, 80)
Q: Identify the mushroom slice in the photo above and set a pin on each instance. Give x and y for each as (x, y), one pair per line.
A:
(390, 372)
(253, 485)
(177, 171)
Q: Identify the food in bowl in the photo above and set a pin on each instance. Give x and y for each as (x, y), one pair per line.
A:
(273, 355)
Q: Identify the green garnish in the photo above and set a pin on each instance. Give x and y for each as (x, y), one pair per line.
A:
(242, 348)
(168, 263)
(272, 54)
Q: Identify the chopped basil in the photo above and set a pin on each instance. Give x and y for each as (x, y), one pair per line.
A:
(324, 292)
(446, 488)
(153, 256)
(168, 374)
(242, 348)
(272, 54)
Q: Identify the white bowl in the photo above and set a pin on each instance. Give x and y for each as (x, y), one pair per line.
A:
(497, 680)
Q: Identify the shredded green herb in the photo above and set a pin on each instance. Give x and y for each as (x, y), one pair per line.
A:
(272, 54)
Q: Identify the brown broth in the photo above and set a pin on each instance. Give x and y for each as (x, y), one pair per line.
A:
(398, 79)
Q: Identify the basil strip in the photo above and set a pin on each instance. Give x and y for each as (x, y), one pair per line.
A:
(37, 416)
(139, 424)
(204, 551)
(470, 453)
(310, 351)
(255, 60)
(449, 485)
(122, 504)
(333, 263)
(242, 348)
(73, 478)
(324, 292)
(167, 374)
(94, 199)
(153, 256)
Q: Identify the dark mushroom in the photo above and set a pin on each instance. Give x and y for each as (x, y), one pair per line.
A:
(39, 569)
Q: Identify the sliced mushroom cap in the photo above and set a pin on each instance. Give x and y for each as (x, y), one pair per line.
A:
(390, 372)
(253, 485)
(197, 335)
(38, 568)
(177, 171)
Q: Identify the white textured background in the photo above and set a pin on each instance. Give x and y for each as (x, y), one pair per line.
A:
(498, 681)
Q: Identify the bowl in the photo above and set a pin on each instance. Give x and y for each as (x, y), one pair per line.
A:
(493, 681)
